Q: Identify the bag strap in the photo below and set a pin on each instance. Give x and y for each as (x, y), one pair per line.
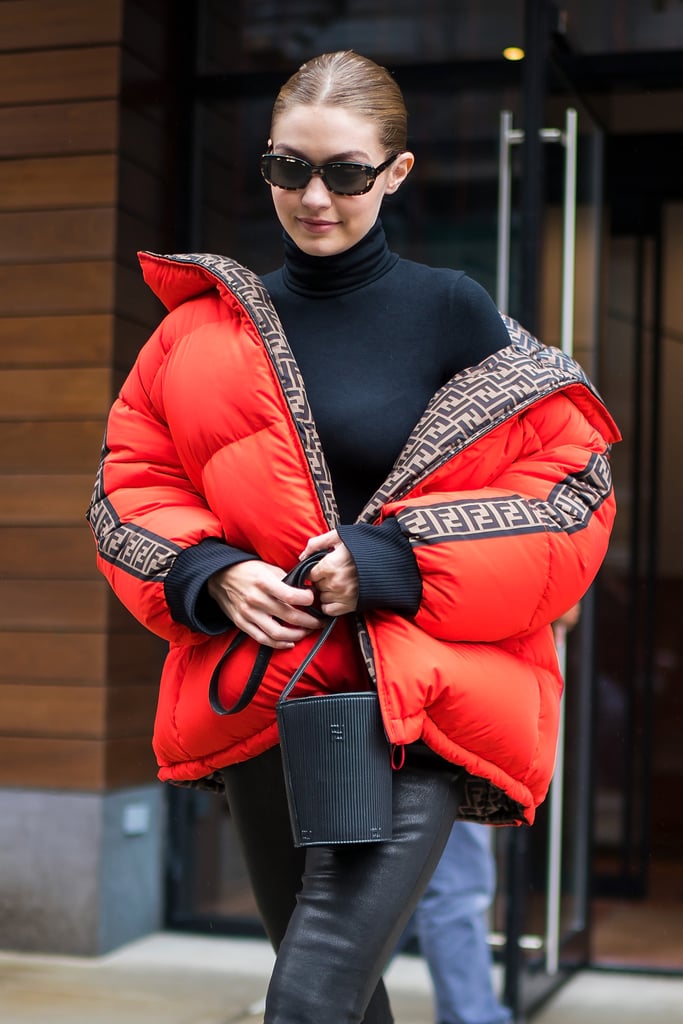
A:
(297, 577)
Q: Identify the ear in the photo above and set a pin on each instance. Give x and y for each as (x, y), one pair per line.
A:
(399, 171)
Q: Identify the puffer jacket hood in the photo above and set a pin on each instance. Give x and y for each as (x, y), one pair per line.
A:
(503, 490)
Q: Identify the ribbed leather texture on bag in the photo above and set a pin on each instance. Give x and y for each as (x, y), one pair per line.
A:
(337, 769)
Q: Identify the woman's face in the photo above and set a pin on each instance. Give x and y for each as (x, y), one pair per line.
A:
(320, 222)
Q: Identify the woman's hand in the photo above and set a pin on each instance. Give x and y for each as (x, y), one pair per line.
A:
(254, 597)
(335, 577)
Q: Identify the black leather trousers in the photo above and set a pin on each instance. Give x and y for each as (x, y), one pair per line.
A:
(335, 914)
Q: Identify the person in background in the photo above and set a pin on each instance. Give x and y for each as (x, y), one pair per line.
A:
(452, 469)
(451, 928)
(450, 924)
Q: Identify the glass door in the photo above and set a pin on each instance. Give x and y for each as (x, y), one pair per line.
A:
(543, 904)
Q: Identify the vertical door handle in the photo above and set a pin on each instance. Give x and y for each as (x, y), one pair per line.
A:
(509, 136)
(556, 796)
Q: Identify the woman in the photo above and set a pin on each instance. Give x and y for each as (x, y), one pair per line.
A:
(454, 471)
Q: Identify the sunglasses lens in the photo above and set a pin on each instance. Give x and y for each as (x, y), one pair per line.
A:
(348, 179)
(285, 171)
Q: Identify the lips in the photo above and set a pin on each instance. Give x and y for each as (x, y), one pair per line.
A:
(317, 225)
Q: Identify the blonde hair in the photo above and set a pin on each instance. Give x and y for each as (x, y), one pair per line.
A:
(346, 79)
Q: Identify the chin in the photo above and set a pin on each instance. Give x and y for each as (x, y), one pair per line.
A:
(322, 246)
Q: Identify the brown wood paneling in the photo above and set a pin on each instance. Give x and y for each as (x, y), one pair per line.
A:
(57, 657)
(36, 710)
(129, 762)
(121, 622)
(50, 447)
(76, 340)
(57, 288)
(75, 764)
(142, 140)
(60, 235)
(130, 337)
(45, 763)
(54, 394)
(56, 129)
(143, 195)
(59, 75)
(135, 658)
(130, 711)
(50, 605)
(77, 673)
(135, 301)
(44, 552)
(28, 24)
(134, 236)
(44, 500)
(58, 182)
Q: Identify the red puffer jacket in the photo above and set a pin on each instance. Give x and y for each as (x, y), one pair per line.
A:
(504, 491)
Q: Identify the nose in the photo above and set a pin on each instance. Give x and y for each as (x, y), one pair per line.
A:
(316, 193)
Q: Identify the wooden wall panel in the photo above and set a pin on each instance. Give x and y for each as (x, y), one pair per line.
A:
(58, 182)
(35, 237)
(44, 500)
(51, 605)
(59, 75)
(135, 301)
(60, 340)
(130, 711)
(47, 552)
(58, 129)
(54, 394)
(77, 712)
(86, 179)
(35, 24)
(42, 710)
(52, 657)
(81, 765)
(134, 236)
(53, 764)
(128, 761)
(135, 658)
(140, 192)
(57, 288)
(141, 138)
(130, 337)
(46, 446)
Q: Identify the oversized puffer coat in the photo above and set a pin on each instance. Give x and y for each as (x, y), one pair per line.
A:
(503, 490)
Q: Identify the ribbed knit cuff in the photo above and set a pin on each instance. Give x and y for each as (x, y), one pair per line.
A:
(387, 570)
(185, 587)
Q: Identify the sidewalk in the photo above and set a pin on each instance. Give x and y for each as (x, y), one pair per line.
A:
(173, 978)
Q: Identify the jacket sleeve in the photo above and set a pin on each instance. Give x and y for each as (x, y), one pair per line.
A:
(157, 539)
(511, 555)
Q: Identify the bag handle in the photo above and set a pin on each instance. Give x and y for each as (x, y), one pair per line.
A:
(297, 577)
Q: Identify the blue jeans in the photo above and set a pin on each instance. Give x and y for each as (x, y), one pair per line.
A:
(450, 925)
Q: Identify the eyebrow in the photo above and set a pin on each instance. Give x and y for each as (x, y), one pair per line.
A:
(353, 155)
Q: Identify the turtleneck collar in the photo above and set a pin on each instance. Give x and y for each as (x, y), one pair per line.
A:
(358, 266)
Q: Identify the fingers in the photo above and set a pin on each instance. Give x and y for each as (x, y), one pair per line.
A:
(321, 543)
(254, 597)
(335, 576)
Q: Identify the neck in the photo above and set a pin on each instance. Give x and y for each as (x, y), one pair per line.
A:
(346, 271)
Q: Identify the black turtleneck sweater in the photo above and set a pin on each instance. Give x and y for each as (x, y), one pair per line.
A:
(374, 336)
